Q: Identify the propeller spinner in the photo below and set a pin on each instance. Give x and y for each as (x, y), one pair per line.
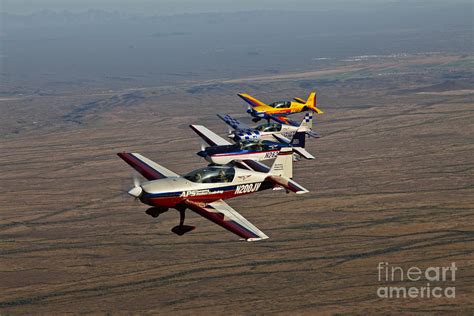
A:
(137, 190)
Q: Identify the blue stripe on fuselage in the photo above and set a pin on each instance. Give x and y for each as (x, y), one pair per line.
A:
(239, 152)
(178, 193)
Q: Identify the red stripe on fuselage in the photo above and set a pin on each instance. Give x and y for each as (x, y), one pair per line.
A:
(172, 201)
(280, 111)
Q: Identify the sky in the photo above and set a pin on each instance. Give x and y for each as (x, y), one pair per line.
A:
(290, 35)
(166, 7)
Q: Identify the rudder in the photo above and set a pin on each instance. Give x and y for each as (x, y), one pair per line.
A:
(299, 139)
(311, 103)
(283, 164)
(306, 123)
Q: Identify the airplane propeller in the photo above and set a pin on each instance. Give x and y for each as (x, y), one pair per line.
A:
(249, 109)
(230, 133)
(136, 181)
(137, 190)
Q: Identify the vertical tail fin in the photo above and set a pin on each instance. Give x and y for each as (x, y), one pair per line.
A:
(306, 123)
(298, 143)
(311, 103)
(282, 172)
(306, 126)
(299, 139)
(283, 164)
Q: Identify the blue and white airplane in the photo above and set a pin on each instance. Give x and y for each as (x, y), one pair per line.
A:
(269, 131)
(221, 151)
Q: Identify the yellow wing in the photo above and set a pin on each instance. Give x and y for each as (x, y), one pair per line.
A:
(258, 105)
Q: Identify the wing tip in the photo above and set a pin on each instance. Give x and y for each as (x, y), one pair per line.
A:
(123, 154)
(256, 238)
(302, 191)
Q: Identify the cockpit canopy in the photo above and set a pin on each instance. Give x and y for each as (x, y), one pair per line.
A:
(211, 174)
(280, 104)
(258, 146)
(273, 127)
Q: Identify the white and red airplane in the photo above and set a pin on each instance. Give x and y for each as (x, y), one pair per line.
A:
(204, 190)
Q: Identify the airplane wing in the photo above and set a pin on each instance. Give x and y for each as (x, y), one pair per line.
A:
(223, 215)
(281, 138)
(278, 119)
(283, 120)
(303, 152)
(234, 123)
(209, 136)
(252, 101)
(252, 165)
(146, 167)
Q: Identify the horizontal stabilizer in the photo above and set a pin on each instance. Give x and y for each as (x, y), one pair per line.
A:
(288, 184)
(303, 152)
(299, 100)
(313, 134)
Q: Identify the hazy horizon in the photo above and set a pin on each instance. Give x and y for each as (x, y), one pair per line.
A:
(63, 47)
(167, 7)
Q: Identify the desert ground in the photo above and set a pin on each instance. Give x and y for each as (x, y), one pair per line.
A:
(393, 181)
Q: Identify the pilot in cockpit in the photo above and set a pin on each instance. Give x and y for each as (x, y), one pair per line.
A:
(198, 177)
(222, 176)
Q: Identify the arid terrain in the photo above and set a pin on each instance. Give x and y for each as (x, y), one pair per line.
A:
(393, 181)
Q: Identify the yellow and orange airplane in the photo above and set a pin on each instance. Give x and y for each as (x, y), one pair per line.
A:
(280, 109)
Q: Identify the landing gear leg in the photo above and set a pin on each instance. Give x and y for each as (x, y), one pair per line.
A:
(268, 121)
(156, 211)
(182, 229)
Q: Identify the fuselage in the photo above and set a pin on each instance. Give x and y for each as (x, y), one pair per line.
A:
(265, 132)
(278, 108)
(287, 131)
(171, 192)
(258, 151)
